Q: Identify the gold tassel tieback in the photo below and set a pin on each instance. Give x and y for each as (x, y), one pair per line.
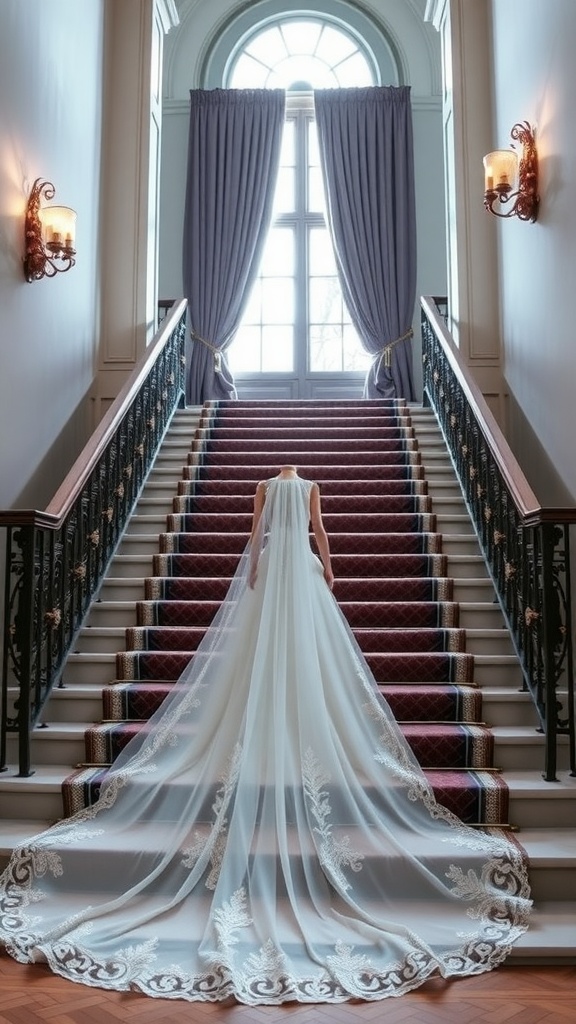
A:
(215, 351)
(386, 353)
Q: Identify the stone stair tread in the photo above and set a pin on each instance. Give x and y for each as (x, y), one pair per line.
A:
(545, 847)
(496, 659)
(115, 605)
(123, 581)
(83, 690)
(526, 783)
(15, 831)
(46, 778)
(140, 538)
(61, 731)
(146, 838)
(96, 656)
(554, 847)
(103, 631)
(551, 932)
(512, 734)
(494, 633)
(501, 694)
(149, 518)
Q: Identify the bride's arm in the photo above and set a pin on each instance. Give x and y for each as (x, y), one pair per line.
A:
(320, 535)
(255, 548)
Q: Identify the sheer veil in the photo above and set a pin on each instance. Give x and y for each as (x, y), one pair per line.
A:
(269, 834)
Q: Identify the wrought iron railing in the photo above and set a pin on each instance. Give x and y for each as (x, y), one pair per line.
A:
(526, 546)
(56, 559)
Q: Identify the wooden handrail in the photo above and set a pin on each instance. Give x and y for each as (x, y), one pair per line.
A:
(532, 512)
(57, 510)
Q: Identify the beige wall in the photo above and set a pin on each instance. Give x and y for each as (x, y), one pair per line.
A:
(50, 127)
(535, 80)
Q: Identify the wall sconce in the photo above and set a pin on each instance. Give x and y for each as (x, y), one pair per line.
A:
(510, 179)
(49, 235)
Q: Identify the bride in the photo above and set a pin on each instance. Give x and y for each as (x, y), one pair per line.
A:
(269, 835)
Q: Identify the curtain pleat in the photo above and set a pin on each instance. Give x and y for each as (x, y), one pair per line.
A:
(233, 157)
(366, 153)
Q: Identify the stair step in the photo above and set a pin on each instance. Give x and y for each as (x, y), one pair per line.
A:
(63, 740)
(497, 670)
(129, 566)
(483, 614)
(535, 803)
(468, 566)
(74, 704)
(123, 588)
(37, 797)
(112, 613)
(90, 668)
(507, 706)
(150, 522)
(552, 856)
(140, 544)
(550, 937)
(516, 747)
(461, 545)
(452, 523)
(489, 641)
(105, 638)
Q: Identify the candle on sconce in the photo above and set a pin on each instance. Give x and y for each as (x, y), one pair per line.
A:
(500, 167)
(59, 226)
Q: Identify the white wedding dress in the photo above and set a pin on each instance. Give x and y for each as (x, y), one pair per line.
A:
(270, 837)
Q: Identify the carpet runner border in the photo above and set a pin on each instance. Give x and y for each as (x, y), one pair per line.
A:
(405, 591)
(386, 668)
(357, 488)
(372, 639)
(477, 797)
(252, 474)
(436, 702)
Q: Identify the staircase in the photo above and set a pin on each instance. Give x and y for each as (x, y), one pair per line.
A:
(544, 813)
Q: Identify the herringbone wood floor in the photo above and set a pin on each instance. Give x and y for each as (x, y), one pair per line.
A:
(510, 995)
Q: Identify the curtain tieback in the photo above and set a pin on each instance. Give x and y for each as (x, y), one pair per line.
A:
(214, 350)
(386, 352)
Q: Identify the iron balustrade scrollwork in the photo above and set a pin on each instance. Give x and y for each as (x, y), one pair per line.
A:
(57, 559)
(526, 546)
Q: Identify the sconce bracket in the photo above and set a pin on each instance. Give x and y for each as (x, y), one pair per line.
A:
(40, 261)
(525, 201)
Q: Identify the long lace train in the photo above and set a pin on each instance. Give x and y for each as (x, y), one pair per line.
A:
(269, 836)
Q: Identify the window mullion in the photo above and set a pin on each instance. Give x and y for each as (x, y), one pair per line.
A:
(301, 282)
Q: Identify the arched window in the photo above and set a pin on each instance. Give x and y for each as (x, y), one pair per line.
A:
(301, 53)
(296, 337)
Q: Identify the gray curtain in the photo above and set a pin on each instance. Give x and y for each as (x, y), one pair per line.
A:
(366, 152)
(233, 156)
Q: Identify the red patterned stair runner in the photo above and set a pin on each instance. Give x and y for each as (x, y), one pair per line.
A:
(390, 582)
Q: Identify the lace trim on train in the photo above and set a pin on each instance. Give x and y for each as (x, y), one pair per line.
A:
(264, 977)
(213, 845)
(334, 852)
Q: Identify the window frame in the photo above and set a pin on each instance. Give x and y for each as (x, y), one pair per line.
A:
(300, 109)
(232, 35)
